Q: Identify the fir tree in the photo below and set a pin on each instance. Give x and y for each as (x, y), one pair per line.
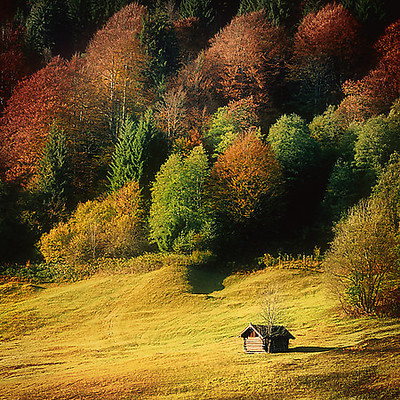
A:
(135, 156)
(201, 9)
(277, 11)
(124, 166)
(51, 188)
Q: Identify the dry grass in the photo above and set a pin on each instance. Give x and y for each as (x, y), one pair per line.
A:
(149, 336)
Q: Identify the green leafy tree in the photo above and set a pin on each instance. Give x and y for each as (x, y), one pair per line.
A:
(329, 130)
(346, 186)
(296, 151)
(180, 215)
(388, 188)
(305, 176)
(363, 258)
(375, 143)
(228, 122)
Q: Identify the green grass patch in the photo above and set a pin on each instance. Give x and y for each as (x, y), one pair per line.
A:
(167, 328)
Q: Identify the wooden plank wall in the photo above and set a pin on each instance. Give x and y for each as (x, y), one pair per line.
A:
(254, 345)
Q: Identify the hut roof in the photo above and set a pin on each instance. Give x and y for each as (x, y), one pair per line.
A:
(262, 331)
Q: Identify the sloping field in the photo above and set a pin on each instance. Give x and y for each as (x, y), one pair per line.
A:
(152, 335)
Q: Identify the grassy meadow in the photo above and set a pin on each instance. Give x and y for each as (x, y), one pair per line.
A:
(172, 333)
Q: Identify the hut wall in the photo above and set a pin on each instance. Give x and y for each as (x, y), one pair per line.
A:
(280, 344)
(254, 345)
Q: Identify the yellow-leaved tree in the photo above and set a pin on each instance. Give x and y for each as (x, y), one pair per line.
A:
(112, 227)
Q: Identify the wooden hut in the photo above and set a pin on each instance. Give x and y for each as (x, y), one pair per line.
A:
(258, 337)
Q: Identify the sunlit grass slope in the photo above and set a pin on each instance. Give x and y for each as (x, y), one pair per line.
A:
(152, 335)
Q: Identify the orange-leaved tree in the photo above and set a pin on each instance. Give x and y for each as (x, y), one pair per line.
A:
(245, 180)
(246, 58)
(115, 62)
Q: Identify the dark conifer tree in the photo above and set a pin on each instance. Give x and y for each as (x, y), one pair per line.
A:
(158, 38)
(136, 153)
(52, 186)
(201, 9)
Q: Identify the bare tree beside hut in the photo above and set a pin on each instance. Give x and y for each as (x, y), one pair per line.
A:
(267, 337)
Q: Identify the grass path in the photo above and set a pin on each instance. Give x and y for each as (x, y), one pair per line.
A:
(148, 336)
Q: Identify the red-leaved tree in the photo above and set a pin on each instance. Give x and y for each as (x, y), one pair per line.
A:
(12, 61)
(35, 103)
(376, 92)
(325, 54)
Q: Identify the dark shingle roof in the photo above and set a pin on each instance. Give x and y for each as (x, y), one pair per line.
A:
(262, 331)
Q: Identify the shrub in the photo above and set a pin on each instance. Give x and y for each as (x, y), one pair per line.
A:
(100, 228)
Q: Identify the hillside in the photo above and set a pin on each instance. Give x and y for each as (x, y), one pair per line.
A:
(160, 335)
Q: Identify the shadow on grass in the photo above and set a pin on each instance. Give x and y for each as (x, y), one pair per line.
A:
(206, 279)
(310, 349)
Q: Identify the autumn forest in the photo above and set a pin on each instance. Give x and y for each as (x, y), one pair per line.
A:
(222, 128)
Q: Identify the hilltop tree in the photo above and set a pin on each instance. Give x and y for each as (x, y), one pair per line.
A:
(47, 27)
(277, 11)
(160, 45)
(201, 9)
(246, 59)
(191, 37)
(375, 93)
(371, 14)
(13, 65)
